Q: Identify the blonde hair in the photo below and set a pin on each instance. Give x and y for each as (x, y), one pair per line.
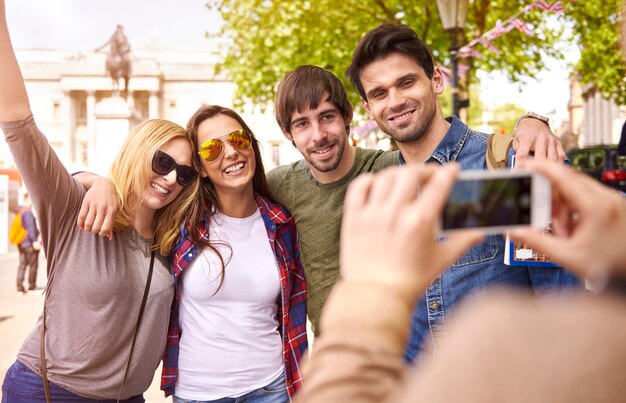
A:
(132, 170)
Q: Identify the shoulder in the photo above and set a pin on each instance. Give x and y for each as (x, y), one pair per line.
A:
(478, 136)
(373, 160)
(278, 176)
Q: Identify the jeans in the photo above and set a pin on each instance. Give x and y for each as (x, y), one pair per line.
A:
(275, 392)
(21, 385)
(28, 258)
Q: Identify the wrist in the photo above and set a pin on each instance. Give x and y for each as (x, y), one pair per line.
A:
(532, 115)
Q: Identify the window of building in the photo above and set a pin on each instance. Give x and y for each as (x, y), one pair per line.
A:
(275, 149)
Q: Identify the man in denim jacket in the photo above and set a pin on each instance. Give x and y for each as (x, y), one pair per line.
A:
(399, 85)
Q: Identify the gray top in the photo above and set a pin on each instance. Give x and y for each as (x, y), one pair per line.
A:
(95, 286)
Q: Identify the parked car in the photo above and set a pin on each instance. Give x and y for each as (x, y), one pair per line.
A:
(601, 162)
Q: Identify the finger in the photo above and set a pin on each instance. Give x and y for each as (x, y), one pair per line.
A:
(409, 181)
(357, 193)
(560, 152)
(97, 221)
(91, 215)
(552, 154)
(107, 225)
(558, 249)
(382, 185)
(540, 148)
(522, 149)
(82, 214)
(569, 183)
(435, 192)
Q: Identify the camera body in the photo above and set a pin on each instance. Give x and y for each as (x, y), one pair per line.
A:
(497, 201)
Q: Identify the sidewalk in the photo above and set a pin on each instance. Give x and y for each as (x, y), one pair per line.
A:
(19, 313)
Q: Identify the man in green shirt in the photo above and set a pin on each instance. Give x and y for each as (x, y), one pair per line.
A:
(313, 112)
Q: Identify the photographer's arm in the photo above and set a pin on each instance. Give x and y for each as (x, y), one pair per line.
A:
(389, 254)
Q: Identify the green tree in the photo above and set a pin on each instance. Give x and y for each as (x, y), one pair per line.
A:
(595, 27)
(264, 39)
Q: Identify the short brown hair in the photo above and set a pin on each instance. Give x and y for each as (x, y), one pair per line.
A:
(305, 87)
(383, 41)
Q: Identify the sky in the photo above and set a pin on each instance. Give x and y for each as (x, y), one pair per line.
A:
(86, 24)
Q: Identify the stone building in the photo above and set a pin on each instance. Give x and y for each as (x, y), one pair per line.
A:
(593, 119)
(69, 91)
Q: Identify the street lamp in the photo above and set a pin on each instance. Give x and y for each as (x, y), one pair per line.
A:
(452, 13)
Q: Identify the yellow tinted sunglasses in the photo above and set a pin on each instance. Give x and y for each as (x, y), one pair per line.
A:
(240, 139)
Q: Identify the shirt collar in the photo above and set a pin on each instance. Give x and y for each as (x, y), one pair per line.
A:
(451, 144)
(275, 212)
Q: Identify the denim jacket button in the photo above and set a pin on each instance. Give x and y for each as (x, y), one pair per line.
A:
(434, 306)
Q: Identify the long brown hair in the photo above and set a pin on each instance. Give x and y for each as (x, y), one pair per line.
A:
(206, 204)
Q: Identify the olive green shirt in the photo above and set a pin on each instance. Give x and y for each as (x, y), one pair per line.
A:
(317, 209)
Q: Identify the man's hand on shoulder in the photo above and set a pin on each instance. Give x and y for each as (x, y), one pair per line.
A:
(532, 137)
(100, 207)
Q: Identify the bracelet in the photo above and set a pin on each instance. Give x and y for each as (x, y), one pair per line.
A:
(532, 115)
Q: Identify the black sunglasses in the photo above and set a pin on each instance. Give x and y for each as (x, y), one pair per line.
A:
(163, 164)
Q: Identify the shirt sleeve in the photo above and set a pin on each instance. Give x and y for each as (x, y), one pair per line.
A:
(56, 196)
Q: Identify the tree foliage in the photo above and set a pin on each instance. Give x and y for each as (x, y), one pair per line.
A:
(264, 39)
(596, 31)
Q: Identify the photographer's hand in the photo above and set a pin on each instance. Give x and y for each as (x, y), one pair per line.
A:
(389, 234)
(589, 220)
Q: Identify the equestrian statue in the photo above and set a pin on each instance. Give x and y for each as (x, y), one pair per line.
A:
(118, 63)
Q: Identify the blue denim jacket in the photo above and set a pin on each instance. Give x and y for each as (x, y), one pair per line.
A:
(483, 265)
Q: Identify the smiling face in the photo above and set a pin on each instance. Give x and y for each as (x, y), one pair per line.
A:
(233, 170)
(400, 96)
(321, 137)
(163, 189)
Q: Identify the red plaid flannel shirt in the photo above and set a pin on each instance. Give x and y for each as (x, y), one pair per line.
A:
(283, 238)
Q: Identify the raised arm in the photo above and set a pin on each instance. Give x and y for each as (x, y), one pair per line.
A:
(14, 103)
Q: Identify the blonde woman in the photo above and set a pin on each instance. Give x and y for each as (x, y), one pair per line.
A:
(107, 302)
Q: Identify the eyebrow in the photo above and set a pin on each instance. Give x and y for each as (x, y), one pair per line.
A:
(325, 111)
(396, 82)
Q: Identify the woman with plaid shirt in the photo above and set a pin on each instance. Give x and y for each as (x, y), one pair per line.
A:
(238, 322)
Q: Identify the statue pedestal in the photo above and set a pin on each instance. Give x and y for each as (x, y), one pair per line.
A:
(112, 124)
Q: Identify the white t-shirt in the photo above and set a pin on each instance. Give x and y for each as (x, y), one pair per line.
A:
(230, 344)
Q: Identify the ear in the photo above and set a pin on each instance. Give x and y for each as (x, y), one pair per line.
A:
(367, 107)
(347, 120)
(286, 134)
(437, 81)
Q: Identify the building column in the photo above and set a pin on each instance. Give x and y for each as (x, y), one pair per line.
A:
(598, 127)
(68, 126)
(130, 100)
(586, 130)
(91, 126)
(153, 105)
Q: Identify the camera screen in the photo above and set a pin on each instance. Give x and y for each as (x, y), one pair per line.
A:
(488, 203)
